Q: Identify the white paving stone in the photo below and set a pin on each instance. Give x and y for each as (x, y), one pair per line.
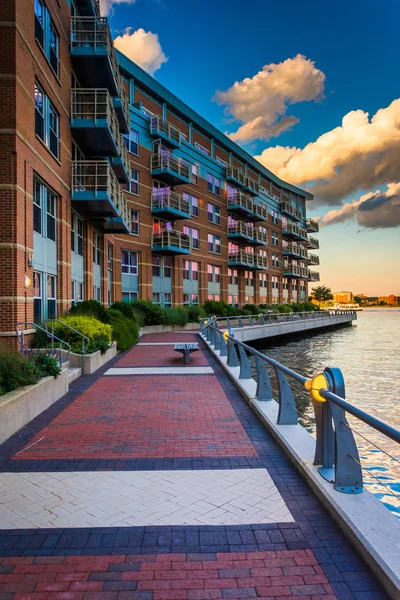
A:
(121, 498)
(160, 371)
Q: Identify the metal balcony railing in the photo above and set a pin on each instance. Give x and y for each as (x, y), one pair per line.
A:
(242, 257)
(312, 243)
(241, 201)
(240, 228)
(289, 268)
(261, 262)
(170, 163)
(94, 33)
(94, 105)
(167, 200)
(235, 174)
(158, 126)
(252, 185)
(123, 153)
(312, 226)
(291, 210)
(260, 211)
(97, 178)
(313, 259)
(313, 275)
(260, 236)
(168, 239)
(294, 229)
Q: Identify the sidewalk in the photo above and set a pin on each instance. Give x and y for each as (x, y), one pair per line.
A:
(152, 481)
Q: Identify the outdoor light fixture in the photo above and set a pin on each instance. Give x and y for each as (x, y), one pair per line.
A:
(315, 384)
(27, 281)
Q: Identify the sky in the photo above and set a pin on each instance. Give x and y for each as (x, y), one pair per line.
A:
(312, 90)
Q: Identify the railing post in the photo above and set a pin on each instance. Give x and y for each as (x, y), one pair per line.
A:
(223, 347)
(245, 370)
(261, 319)
(251, 321)
(348, 472)
(233, 360)
(217, 336)
(228, 323)
(287, 406)
(212, 335)
(240, 322)
(264, 389)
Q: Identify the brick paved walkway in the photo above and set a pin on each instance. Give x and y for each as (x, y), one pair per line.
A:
(160, 487)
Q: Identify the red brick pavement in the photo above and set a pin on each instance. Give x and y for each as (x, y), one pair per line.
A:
(159, 356)
(172, 336)
(145, 417)
(274, 575)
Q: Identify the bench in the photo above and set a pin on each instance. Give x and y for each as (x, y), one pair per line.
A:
(186, 350)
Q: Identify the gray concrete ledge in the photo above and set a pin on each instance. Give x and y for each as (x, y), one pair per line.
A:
(371, 528)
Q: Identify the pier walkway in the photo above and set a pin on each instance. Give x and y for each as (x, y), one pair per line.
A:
(150, 483)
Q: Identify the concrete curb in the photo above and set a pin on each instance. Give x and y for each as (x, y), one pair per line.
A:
(371, 528)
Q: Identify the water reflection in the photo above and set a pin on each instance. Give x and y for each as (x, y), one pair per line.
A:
(367, 354)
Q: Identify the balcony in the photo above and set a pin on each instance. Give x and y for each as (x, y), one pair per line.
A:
(169, 205)
(241, 259)
(292, 270)
(241, 231)
(96, 189)
(121, 106)
(293, 249)
(161, 128)
(312, 226)
(92, 53)
(313, 259)
(259, 212)
(88, 8)
(294, 231)
(120, 163)
(292, 211)
(312, 243)
(240, 204)
(259, 237)
(260, 262)
(235, 175)
(170, 242)
(313, 276)
(252, 186)
(170, 169)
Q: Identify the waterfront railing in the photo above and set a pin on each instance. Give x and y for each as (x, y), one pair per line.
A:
(336, 452)
(273, 318)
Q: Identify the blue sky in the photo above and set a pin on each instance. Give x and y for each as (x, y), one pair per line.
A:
(212, 44)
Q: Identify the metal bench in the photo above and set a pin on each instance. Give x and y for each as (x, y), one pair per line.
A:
(186, 350)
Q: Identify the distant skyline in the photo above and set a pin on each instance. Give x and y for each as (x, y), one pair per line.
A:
(311, 91)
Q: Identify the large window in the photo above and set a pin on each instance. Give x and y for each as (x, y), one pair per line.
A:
(213, 184)
(44, 210)
(46, 35)
(275, 261)
(275, 239)
(46, 121)
(135, 222)
(132, 142)
(194, 236)
(233, 277)
(213, 273)
(214, 214)
(134, 183)
(77, 229)
(129, 261)
(161, 266)
(191, 270)
(195, 174)
(96, 248)
(214, 243)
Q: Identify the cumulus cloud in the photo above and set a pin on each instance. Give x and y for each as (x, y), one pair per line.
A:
(261, 102)
(143, 47)
(107, 6)
(373, 210)
(359, 155)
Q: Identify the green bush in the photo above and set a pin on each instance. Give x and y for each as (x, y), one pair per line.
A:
(16, 371)
(195, 312)
(128, 309)
(47, 365)
(219, 308)
(251, 309)
(89, 326)
(40, 339)
(91, 308)
(124, 330)
(152, 313)
(175, 316)
(304, 307)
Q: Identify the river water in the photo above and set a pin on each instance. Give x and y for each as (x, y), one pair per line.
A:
(368, 353)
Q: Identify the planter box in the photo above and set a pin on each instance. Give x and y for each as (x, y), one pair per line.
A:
(19, 407)
(91, 362)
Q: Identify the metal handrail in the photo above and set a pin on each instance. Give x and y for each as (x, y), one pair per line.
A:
(169, 162)
(313, 275)
(253, 185)
(336, 451)
(313, 259)
(84, 337)
(270, 317)
(235, 174)
(294, 229)
(295, 248)
(239, 200)
(312, 226)
(312, 243)
(170, 237)
(163, 198)
(21, 338)
(160, 125)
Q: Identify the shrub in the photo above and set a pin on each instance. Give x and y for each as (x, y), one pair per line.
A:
(195, 312)
(89, 326)
(46, 364)
(124, 330)
(251, 309)
(152, 313)
(99, 342)
(128, 310)
(16, 371)
(40, 339)
(304, 307)
(219, 308)
(175, 316)
(91, 308)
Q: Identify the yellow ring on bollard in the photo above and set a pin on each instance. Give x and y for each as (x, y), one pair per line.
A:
(205, 322)
(226, 335)
(315, 384)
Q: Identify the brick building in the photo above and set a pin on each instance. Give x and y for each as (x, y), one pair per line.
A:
(111, 187)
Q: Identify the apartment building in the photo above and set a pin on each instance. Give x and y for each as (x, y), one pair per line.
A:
(112, 188)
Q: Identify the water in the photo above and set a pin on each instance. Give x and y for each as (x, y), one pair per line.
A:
(368, 353)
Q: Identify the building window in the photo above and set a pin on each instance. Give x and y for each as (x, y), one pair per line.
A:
(195, 174)
(51, 297)
(167, 266)
(194, 236)
(129, 296)
(156, 266)
(37, 208)
(51, 215)
(275, 239)
(134, 183)
(275, 261)
(129, 262)
(214, 243)
(233, 300)
(213, 274)
(135, 222)
(214, 214)
(190, 270)
(201, 148)
(132, 142)
(216, 185)
(167, 299)
(194, 206)
(249, 278)
(46, 34)
(217, 274)
(221, 162)
(110, 274)
(213, 184)
(233, 277)
(189, 299)
(46, 121)
(209, 273)
(96, 249)
(156, 298)
(37, 296)
(209, 182)
(274, 217)
(80, 236)
(44, 206)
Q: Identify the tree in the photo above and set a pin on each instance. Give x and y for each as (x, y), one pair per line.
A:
(357, 299)
(322, 294)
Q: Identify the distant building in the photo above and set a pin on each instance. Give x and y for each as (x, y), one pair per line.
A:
(343, 297)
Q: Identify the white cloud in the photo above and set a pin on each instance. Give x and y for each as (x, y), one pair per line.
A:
(261, 102)
(362, 153)
(107, 6)
(143, 47)
(373, 210)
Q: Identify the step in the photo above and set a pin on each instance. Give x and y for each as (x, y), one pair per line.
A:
(74, 373)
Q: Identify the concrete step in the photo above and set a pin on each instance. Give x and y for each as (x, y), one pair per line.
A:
(74, 373)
